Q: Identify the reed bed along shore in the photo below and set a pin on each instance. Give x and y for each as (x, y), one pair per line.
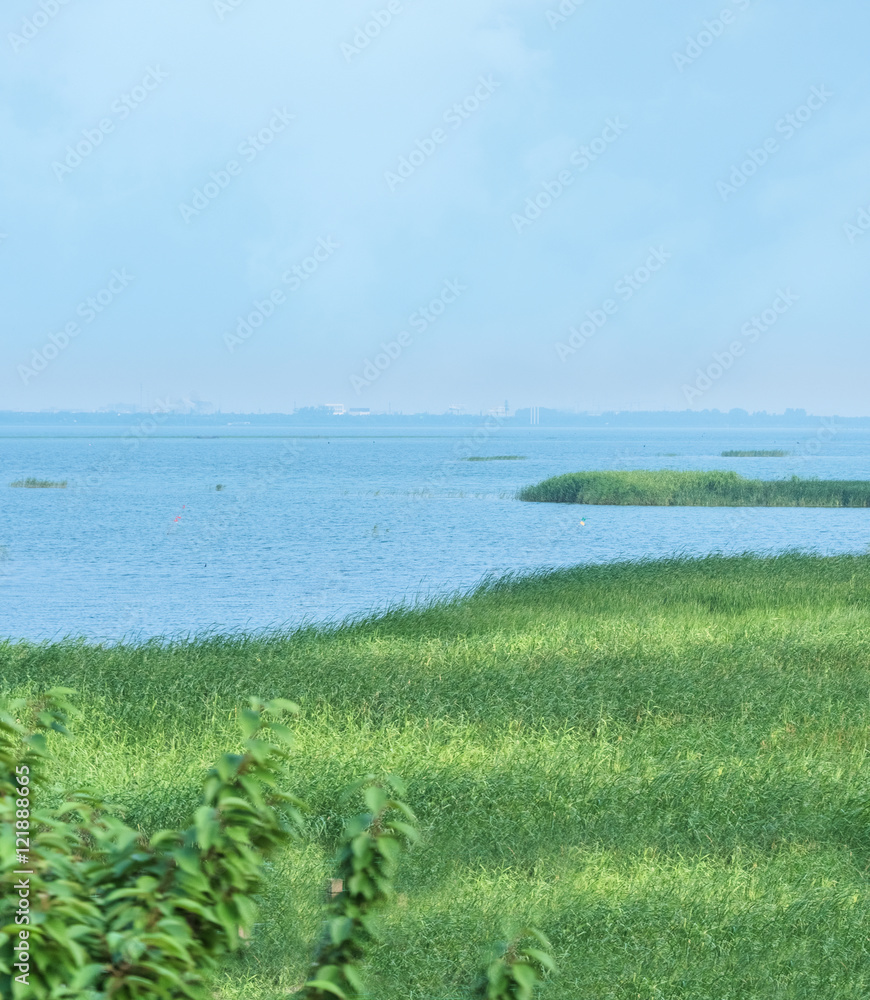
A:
(665, 488)
(663, 765)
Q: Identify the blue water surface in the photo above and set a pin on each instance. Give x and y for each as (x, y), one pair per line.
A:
(314, 525)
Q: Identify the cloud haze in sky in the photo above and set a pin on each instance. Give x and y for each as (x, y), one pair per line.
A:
(571, 204)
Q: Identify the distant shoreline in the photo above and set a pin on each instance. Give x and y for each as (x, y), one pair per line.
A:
(525, 417)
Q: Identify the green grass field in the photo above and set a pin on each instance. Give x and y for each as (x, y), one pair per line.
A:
(663, 765)
(666, 488)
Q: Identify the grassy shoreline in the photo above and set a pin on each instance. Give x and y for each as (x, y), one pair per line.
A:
(666, 488)
(662, 764)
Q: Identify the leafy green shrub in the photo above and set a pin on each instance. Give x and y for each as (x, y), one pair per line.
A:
(94, 909)
(514, 974)
(99, 910)
(366, 865)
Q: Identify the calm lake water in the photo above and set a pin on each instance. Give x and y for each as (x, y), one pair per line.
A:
(312, 525)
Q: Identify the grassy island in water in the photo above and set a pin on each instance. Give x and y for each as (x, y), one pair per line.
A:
(39, 484)
(664, 488)
(776, 453)
(663, 765)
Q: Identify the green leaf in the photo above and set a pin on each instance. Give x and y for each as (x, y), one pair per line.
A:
(207, 826)
(229, 922)
(525, 975)
(340, 929)
(227, 766)
(376, 799)
(282, 705)
(541, 957)
(361, 846)
(411, 832)
(247, 909)
(249, 721)
(60, 694)
(322, 984)
(188, 860)
(396, 783)
(281, 732)
(85, 977)
(405, 809)
(538, 935)
(389, 847)
(352, 975)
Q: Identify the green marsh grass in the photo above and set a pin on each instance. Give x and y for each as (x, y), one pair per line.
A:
(39, 484)
(663, 765)
(755, 454)
(664, 488)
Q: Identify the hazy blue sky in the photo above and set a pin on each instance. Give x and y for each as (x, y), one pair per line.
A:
(185, 165)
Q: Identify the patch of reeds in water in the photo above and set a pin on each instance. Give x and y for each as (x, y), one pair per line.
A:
(39, 484)
(775, 453)
(665, 488)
